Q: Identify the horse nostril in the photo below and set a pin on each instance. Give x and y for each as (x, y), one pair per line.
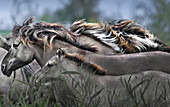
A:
(3, 67)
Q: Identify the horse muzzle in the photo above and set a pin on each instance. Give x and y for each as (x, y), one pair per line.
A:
(3, 68)
(5, 71)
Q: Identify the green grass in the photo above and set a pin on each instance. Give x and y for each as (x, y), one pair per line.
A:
(4, 32)
(168, 43)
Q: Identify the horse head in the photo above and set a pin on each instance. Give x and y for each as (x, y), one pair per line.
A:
(38, 41)
(71, 61)
(17, 56)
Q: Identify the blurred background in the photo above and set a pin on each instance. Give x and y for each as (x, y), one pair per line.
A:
(151, 14)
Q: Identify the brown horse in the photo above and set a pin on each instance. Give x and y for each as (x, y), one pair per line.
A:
(41, 40)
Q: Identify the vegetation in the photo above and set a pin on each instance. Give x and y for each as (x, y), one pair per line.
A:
(4, 32)
(156, 17)
(75, 9)
(161, 19)
(89, 94)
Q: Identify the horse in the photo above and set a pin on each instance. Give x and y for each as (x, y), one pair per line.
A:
(42, 36)
(11, 85)
(41, 40)
(8, 40)
(74, 78)
(5, 44)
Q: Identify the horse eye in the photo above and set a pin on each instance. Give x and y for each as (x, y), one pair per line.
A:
(7, 38)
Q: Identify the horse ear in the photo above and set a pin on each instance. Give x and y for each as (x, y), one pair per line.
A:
(16, 29)
(29, 21)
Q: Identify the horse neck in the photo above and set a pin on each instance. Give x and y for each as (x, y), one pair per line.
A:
(66, 65)
(42, 55)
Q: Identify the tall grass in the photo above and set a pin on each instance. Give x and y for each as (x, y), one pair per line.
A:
(88, 94)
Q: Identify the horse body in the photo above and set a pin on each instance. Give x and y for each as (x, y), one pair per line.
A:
(60, 68)
(132, 63)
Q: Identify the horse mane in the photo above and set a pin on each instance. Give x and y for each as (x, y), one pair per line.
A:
(124, 36)
(82, 61)
(44, 34)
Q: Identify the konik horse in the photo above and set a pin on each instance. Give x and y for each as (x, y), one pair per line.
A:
(41, 40)
(71, 70)
(10, 85)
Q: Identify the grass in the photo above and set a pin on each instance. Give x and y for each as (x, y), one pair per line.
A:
(88, 94)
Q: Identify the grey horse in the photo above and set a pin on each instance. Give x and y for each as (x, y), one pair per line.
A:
(10, 85)
(41, 40)
(74, 78)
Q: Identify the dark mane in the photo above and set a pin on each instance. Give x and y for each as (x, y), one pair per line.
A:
(43, 33)
(124, 36)
(82, 61)
(130, 27)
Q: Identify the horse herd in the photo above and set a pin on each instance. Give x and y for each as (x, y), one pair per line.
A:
(105, 51)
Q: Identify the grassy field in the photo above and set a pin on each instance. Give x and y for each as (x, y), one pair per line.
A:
(4, 32)
(134, 96)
